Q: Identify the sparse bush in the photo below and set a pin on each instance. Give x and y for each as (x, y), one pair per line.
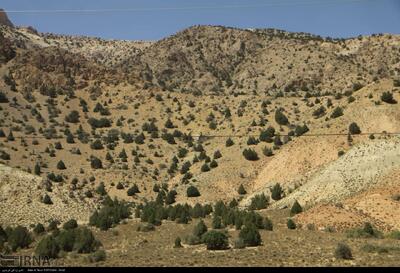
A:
(276, 192)
(72, 117)
(47, 200)
(229, 142)
(368, 231)
(291, 224)
(205, 167)
(71, 224)
(96, 163)
(280, 118)
(337, 112)
(61, 165)
(250, 154)
(133, 190)
(39, 229)
(242, 190)
(101, 189)
(343, 251)
(354, 129)
(296, 208)
(388, 98)
(178, 243)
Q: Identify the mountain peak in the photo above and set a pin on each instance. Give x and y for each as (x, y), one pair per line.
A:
(4, 19)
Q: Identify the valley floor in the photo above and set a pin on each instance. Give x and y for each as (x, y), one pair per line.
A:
(282, 247)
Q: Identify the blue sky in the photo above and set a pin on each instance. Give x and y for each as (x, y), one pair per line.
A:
(155, 19)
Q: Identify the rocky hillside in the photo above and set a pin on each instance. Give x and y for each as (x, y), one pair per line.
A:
(209, 59)
(105, 52)
(21, 198)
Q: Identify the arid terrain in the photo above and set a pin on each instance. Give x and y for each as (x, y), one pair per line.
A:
(229, 112)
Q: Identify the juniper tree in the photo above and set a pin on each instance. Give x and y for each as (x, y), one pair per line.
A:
(276, 192)
(241, 190)
(296, 208)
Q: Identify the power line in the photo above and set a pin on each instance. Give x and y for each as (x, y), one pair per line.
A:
(275, 4)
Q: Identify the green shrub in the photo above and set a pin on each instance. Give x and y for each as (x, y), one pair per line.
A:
(61, 165)
(205, 168)
(200, 229)
(39, 229)
(388, 98)
(85, 241)
(47, 200)
(71, 224)
(178, 243)
(229, 142)
(250, 154)
(101, 189)
(354, 129)
(276, 192)
(213, 164)
(215, 240)
(216, 222)
(343, 251)
(72, 117)
(192, 191)
(296, 208)
(53, 225)
(291, 224)
(280, 118)
(267, 152)
(337, 112)
(259, 201)
(301, 130)
(47, 247)
(96, 163)
(250, 235)
(66, 240)
(112, 212)
(19, 238)
(133, 190)
(321, 111)
(241, 190)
